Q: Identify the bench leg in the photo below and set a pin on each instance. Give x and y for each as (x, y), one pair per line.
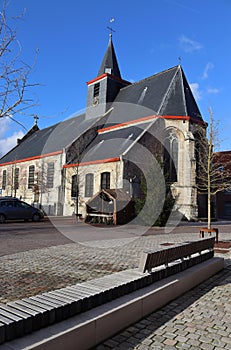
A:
(202, 234)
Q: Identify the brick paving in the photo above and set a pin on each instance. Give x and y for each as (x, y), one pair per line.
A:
(198, 320)
(31, 272)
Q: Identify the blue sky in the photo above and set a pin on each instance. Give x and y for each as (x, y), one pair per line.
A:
(149, 37)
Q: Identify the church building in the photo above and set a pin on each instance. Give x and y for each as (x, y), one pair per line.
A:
(134, 140)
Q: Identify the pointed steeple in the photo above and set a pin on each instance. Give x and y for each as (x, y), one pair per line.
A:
(109, 63)
(102, 90)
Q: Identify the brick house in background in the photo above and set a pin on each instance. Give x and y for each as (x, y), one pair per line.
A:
(67, 164)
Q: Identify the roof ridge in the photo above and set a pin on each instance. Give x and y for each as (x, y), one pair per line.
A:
(168, 89)
(183, 91)
(60, 122)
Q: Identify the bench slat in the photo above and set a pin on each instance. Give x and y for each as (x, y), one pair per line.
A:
(151, 259)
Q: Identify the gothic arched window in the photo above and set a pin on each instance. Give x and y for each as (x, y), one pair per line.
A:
(74, 186)
(16, 178)
(31, 176)
(89, 185)
(4, 179)
(105, 180)
(171, 157)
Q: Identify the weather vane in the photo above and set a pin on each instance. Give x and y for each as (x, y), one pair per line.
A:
(179, 60)
(110, 28)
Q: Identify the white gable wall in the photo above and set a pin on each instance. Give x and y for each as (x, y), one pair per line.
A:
(49, 198)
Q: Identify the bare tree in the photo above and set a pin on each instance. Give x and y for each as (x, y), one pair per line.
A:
(40, 183)
(72, 177)
(14, 73)
(212, 175)
(75, 155)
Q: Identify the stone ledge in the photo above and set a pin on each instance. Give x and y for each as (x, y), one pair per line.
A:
(92, 327)
(23, 316)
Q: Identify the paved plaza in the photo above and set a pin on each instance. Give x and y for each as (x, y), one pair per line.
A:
(199, 319)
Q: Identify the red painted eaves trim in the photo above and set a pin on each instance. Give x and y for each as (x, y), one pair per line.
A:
(121, 125)
(96, 79)
(32, 158)
(140, 120)
(98, 161)
(107, 75)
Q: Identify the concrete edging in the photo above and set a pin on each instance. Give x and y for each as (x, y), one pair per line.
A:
(93, 327)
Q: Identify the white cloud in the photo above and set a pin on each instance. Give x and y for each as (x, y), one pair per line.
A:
(189, 45)
(208, 67)
(4, 126)
(7, 141)
(196, 91)
(213, 91)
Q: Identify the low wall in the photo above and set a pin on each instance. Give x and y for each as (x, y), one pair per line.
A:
(92, 327)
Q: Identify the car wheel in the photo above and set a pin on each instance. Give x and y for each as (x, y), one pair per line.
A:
(2, 219)
(36, 217)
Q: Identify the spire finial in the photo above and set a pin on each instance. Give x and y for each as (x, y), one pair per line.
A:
(109, 64)
(36, 119)
(110, 28)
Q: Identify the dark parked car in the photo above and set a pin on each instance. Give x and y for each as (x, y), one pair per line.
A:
(14, 209)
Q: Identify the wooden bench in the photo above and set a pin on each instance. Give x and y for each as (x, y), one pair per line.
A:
(152, 259)
(209, 230)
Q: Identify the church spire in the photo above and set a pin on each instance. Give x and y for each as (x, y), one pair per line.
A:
(109, 63)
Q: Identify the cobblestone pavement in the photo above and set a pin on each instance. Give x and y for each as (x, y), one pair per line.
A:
(198, 320)
(34, 271)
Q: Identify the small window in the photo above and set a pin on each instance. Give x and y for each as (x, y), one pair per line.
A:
(4, 179)
(89, 185)
(96, 90)
(31, 176)
(16, 178)
(105, 180)
(74, 186)
(50, 175)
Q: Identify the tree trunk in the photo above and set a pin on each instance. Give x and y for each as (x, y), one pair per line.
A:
(209, 210)
(209, 168)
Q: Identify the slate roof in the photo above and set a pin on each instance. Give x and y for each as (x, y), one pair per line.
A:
(52, 139)
(117, 194)
(110, 61)
(165, 93)
(111, 144)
